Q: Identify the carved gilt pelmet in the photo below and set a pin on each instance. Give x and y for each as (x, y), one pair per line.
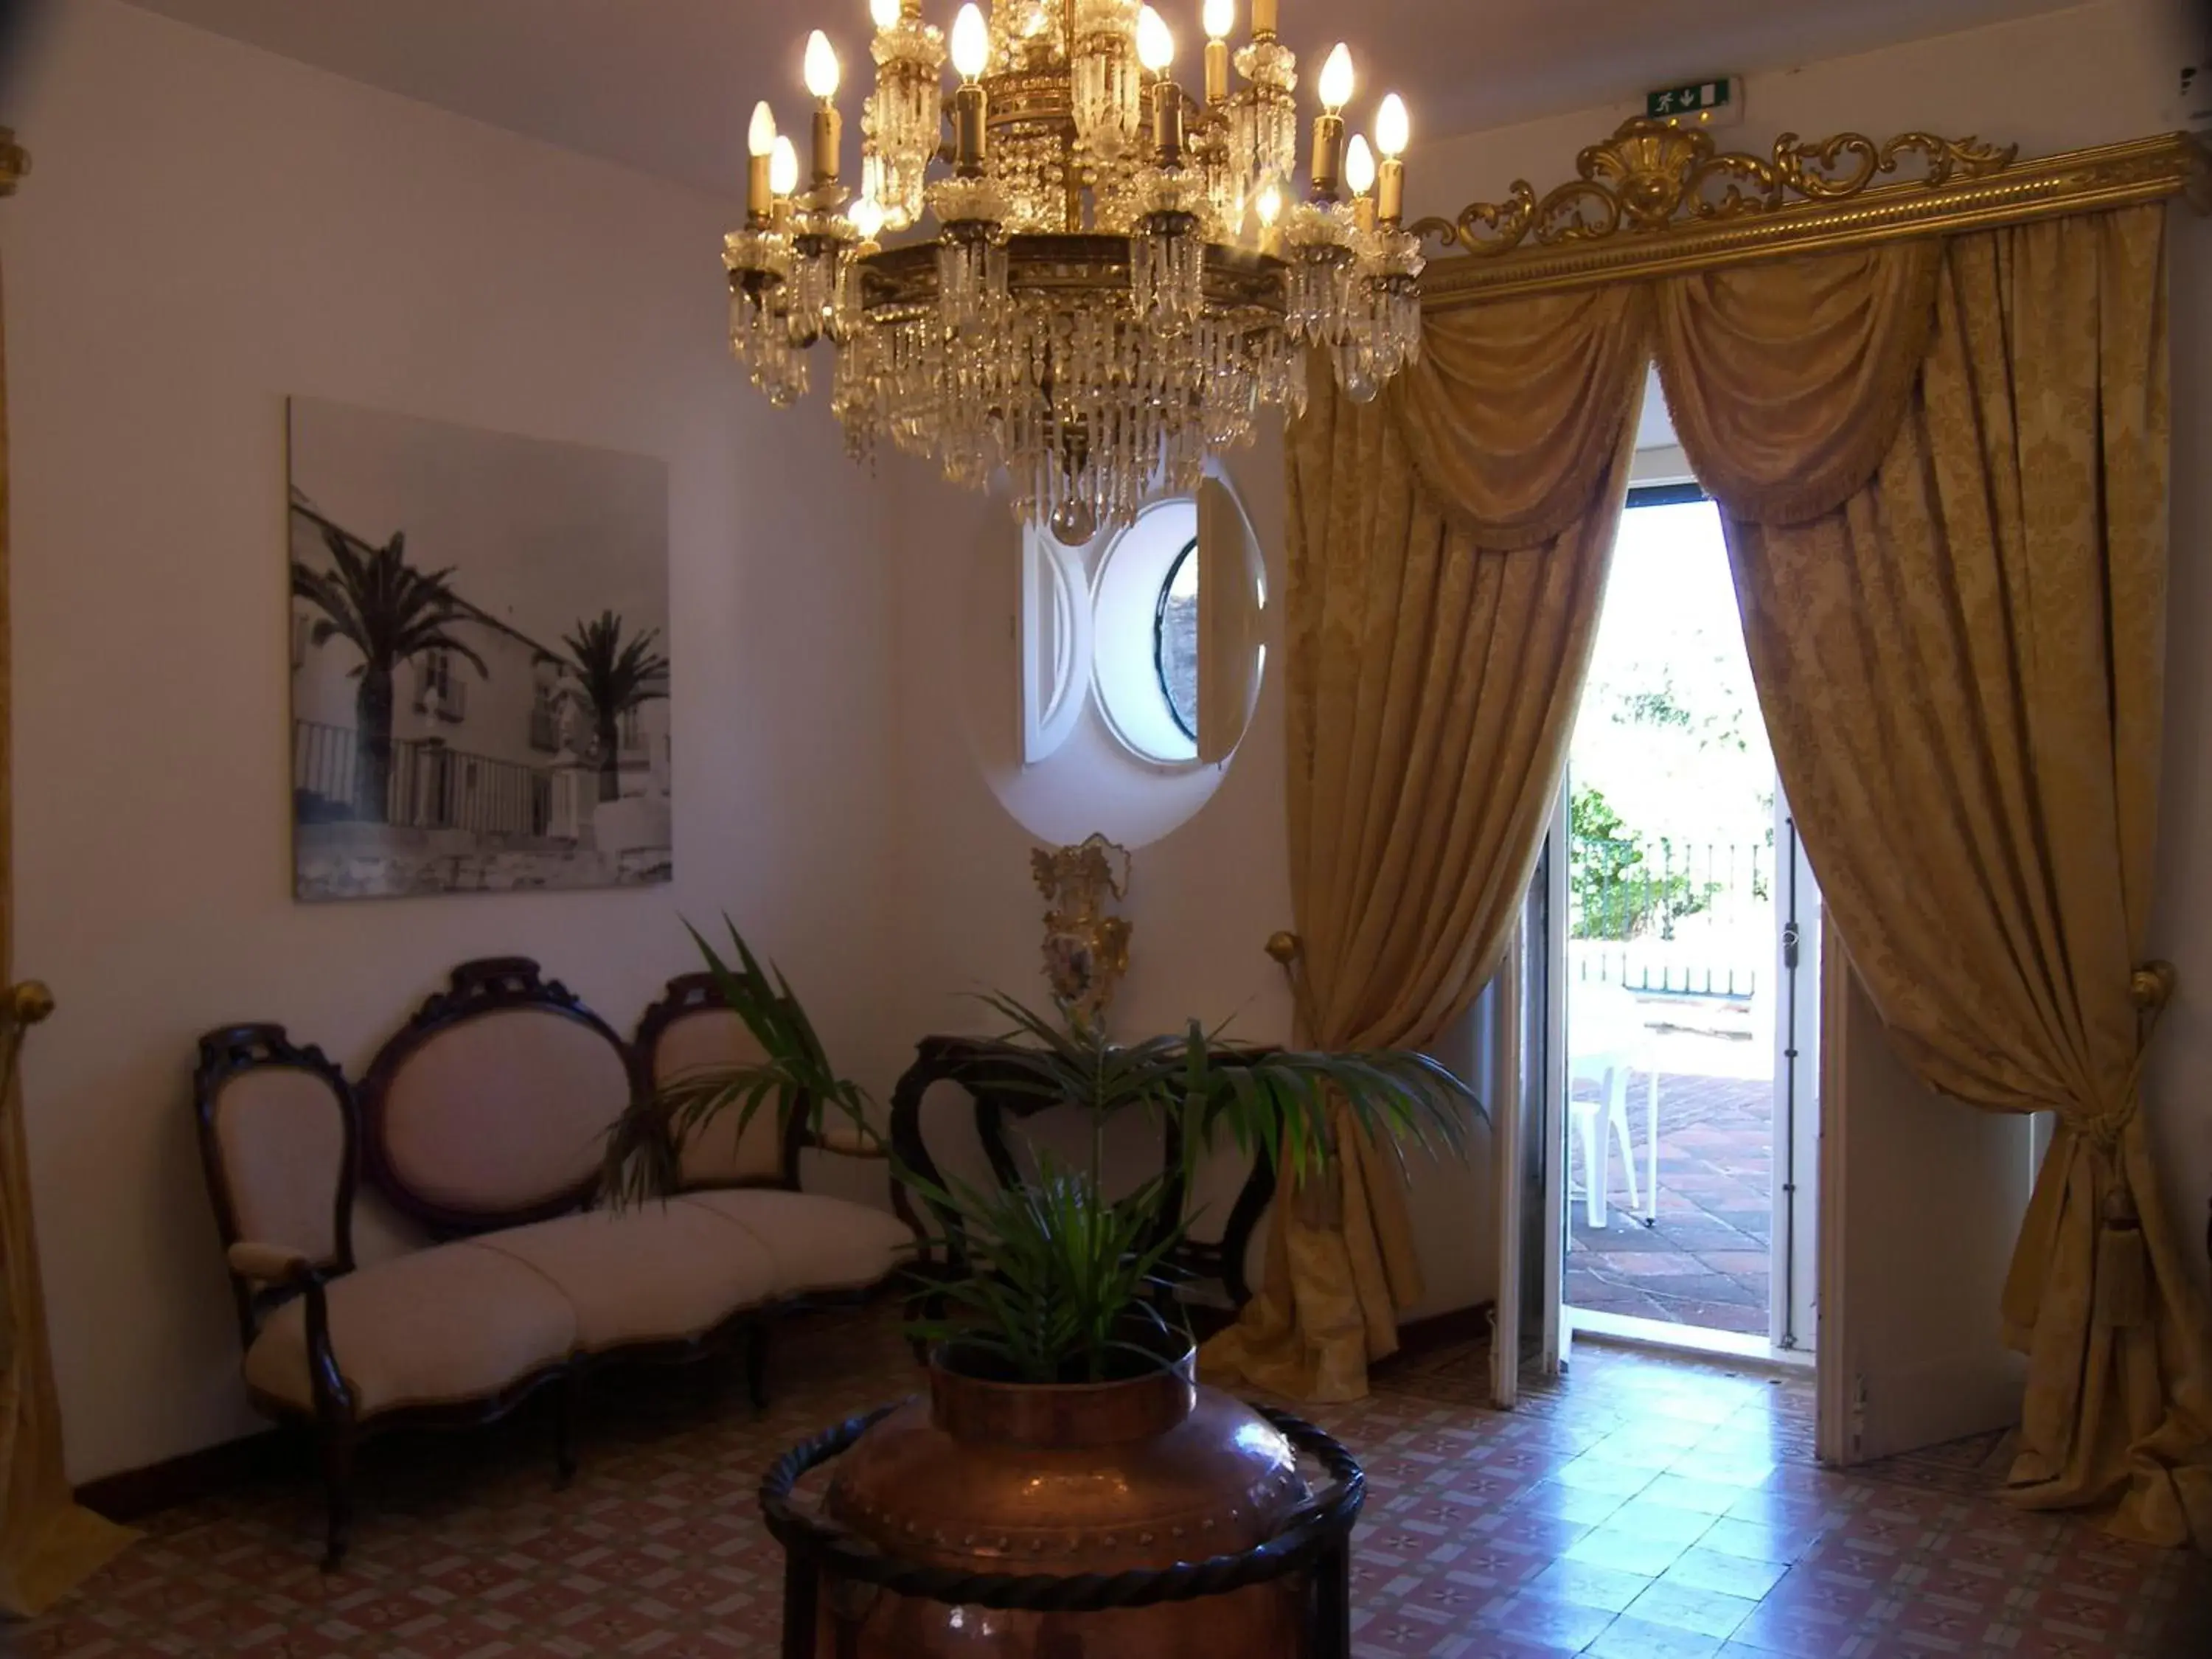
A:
(1658, 200)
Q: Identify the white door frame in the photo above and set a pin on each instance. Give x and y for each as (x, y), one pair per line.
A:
(1800, 1013)
(1505, 1169)
(1557, 1337)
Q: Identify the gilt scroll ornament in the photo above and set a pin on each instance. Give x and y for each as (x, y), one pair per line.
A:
(1650, 176)
(1086, 946)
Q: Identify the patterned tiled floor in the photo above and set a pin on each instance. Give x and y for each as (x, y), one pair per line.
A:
(1652, 1508)
(1703, 1259)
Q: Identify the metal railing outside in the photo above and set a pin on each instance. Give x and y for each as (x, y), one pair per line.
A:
(1669, 916)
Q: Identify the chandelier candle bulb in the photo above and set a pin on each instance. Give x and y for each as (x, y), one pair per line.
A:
(868, 218)
(1167, 122)
(1359, 176)
(1269, 207)
(823, 74)
(1220, 17)
(1156, 52)
(1327, 156)
(1393, 131)
(760, 187)
(884, 14)
(971, 54)
(1337, 86)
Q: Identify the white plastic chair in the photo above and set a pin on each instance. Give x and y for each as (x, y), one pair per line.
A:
(1608, 1074)
(1607, 1038)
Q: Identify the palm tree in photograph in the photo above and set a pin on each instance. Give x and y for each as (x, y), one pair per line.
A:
(614, 677)
(390, 612)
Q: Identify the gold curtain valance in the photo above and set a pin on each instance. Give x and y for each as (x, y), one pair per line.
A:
(1512, 417)
(1787, 382)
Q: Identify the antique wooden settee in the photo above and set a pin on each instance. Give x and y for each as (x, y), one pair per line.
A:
(484, 1120)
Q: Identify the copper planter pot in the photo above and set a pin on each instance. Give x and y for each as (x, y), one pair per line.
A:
(1012, 1478)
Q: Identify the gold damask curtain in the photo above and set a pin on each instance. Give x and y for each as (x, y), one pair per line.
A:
(1448, 548)
(1943, 470)
(47, 1544)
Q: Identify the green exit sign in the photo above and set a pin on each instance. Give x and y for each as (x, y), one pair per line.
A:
(1701, 100)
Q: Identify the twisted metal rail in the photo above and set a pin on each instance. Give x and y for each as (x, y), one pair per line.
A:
(1316, 1536)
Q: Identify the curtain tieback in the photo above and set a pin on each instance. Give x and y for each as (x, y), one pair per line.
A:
(2150, 989)
(2121, 1297)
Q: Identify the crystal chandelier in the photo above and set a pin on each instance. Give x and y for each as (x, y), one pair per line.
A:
(1117, 285)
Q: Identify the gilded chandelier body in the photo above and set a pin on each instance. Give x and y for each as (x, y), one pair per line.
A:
(1116, 286)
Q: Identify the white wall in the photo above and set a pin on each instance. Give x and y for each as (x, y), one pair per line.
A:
(210, 228)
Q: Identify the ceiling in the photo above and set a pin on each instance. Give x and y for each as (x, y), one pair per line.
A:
(667, 86)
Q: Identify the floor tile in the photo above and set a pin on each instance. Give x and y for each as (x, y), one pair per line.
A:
(1792, 1632)
(1708, 1612)
(1591, 1472)
(1703, 1569)
(1681, 1492)
(1589, 1586)
(1756, 1540)
(1648, 1519)
(1559, 1624)
(1625, 1551)
(1633, 1638)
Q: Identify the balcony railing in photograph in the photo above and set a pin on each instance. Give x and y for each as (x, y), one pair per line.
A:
(428, 786)
(1662, 914)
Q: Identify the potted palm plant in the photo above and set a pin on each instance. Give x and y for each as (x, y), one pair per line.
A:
(1064, 1430)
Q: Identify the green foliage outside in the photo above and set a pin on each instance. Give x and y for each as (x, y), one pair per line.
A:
(1621, 883)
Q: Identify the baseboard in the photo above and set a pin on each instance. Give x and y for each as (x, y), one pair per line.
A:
(133, 1494)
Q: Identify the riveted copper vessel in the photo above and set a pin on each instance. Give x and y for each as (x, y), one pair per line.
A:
(1018, 1478)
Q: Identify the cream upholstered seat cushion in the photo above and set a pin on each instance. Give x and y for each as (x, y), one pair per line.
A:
(456, 1322)
(816, 1243)
(656, 1273)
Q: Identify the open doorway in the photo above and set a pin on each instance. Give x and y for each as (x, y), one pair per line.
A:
(1686, 1086)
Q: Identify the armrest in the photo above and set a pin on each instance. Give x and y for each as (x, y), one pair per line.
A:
(844, 1140)
(280, 1267)
(268, 1264)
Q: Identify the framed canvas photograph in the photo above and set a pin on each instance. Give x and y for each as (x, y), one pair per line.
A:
(480, 670)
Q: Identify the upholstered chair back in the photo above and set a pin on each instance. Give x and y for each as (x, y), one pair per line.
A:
(492, 1108)
(280, 1146)
(276, 1127)
(690, 1031)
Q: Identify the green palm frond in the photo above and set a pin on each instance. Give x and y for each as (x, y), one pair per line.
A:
(1051, 1277)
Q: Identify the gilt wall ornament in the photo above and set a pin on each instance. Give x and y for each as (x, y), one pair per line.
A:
(1086, 946)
